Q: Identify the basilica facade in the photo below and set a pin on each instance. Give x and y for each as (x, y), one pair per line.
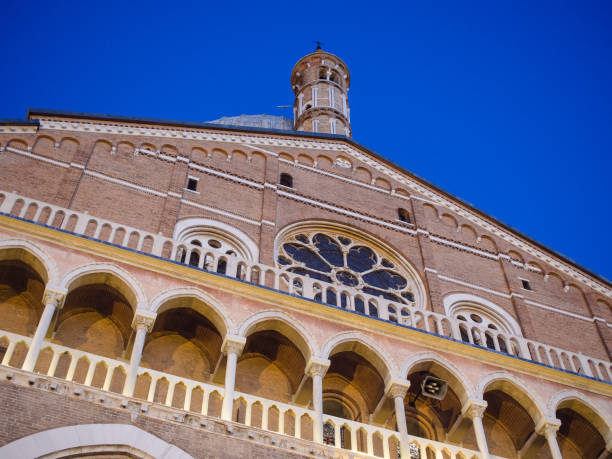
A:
(258, 286)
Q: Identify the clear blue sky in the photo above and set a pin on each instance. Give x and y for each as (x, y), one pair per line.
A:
(507, 105)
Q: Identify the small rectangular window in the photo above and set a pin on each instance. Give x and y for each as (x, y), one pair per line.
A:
(192, 184)
(526, 284)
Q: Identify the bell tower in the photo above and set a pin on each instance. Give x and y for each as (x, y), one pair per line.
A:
(320, 82)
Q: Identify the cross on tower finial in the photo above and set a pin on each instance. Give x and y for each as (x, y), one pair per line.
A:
(319, 44)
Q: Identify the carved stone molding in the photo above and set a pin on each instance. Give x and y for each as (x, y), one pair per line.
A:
(143, 320)
(548, 427)
(397, 388)
(317, 367)
(474, 408)
(233, 344)
(54, 297)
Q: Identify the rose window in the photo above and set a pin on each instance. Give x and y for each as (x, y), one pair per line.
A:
(344, 261)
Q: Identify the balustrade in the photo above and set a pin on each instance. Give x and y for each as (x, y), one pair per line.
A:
(233, 266)
(92, 370)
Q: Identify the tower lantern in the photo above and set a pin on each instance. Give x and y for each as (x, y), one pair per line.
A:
(320, 82)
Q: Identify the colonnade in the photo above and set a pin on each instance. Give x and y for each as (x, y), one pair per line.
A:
(316, 368)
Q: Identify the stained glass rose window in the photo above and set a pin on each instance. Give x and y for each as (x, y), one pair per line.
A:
(344, 261)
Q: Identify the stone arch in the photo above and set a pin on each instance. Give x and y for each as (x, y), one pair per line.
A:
(191, 227)
(33, 256)
(363, 346)
(583, 406)
(108, 274)
(44, 143)
(459, 382)
(207, 306)
(456, 302)
(119, 437)
(516, 389)
(282, 323)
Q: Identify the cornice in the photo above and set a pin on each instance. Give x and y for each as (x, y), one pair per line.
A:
(280, 140)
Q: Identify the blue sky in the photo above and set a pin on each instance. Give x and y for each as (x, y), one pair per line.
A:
(507, 105)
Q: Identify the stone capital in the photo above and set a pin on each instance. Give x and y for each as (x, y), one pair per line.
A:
(548, 427)
(143, 319)
(54, 297)
(233, 344)
(474, 408)
(396, 388)
(317, 367)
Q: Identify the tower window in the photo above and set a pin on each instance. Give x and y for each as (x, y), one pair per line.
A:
(286, 180)
(192, 184)
(323, 74)
(526, 284)
(403, 215)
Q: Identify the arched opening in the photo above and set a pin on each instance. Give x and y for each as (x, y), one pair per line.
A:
(92, 440)
(271, 366)
(183, 342)
(509, 419)
(428, 417)
(96, 318)
(201, 235)
(582, 430)
(21, 292)
(355, 381)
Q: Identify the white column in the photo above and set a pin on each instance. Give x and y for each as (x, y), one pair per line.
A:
(143, 324)
(316, 369)
(52, 300)
(608, 449)
(548, 428)
(474, 409)
(232, 347)
(397, 391)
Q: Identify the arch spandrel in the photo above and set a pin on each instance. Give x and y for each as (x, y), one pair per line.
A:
(110, 275)
(361, 345)
(282, 323)
(205, 304)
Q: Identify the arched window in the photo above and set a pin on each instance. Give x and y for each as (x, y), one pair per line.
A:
(334, 77)
(323, 74)
(286, 180)
(213, 238)
(482, 322)
(403, 215)
(348, 262)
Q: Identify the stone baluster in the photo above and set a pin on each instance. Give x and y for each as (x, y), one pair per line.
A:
(143, 323)
(474, 409)
(316, 369)
(53, 301)
(397, 391)
(232, 347)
